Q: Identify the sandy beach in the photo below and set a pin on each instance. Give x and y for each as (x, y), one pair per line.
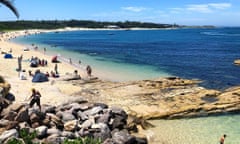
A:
(52, 92)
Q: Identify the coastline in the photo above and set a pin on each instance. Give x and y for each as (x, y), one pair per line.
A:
(148, 98)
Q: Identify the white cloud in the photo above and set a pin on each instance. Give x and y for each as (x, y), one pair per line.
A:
(208, 8)
(220, 5)
(134, 9)
(202, 8)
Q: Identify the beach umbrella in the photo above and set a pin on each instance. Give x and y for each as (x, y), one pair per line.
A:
(9, 4)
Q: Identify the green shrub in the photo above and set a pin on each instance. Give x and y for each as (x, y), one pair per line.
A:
(86, 140)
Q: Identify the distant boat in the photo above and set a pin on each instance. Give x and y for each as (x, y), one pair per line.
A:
(110, 33)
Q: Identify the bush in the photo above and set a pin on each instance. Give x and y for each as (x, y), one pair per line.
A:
(86, 140)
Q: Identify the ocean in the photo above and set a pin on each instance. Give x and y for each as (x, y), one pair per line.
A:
(204, 54)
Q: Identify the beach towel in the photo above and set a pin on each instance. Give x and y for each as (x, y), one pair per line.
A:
(8, 56)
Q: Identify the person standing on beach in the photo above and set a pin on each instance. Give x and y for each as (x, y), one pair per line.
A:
(222, 139)
(20, 63)
(35, 98)
(56, 68)
(89, 70)
(44, 50)
(70, 60)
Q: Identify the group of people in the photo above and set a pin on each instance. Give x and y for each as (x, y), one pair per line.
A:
(35, 62)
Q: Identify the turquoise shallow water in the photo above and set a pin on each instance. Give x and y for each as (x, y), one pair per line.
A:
(206, 130)
(103, 67)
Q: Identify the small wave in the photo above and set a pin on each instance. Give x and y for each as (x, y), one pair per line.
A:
(219, 34)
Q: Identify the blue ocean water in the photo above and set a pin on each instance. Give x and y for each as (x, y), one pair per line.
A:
(205, 54)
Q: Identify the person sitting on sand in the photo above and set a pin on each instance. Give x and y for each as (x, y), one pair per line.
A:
(23, 75)
(55, 75)
(35, 98)
(47, 74)
(76, 75)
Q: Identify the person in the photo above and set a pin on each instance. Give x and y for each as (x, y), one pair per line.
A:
(44, 50)
(70, 60)
(23, 75)
(222, 139)
(35, 98)
(89, 70)
(56, 68)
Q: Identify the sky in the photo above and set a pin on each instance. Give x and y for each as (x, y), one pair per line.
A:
(182, 12)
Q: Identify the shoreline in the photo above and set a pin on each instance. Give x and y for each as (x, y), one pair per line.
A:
(163, 98)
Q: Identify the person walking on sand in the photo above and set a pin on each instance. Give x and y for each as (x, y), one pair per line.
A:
(89, 70)
(35, 98)
(222, 139)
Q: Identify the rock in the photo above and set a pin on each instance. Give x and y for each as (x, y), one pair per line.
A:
(104, 131)
(56, 120)
(87, 124)
(10, 115)
(23, 125)
(67, 116)
(7, 134)
(22, 115)
(41, 131)
(118, 122)
(109, 141)
(104, 118)
(82, 115)
(53, 131)
(71, 125)
(3, 122)
(102, 105)
(48, 109)
(55, 139)
(11, 125)
(123, 137)
(68, 134)
(93, 111)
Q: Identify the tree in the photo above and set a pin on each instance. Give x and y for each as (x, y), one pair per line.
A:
(9, 4)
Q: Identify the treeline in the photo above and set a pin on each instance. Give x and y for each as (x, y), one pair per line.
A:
(54, 24)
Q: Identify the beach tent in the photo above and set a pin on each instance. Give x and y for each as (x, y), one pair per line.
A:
(39, 77)
(8, 56)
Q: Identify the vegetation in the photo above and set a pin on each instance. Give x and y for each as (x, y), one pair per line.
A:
(26, 137)
(86, 140)
(54, 24)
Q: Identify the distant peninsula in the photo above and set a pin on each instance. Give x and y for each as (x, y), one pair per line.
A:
(57, 24)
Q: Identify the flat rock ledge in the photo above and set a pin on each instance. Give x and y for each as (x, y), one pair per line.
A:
(163, 98)
(54, 124)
